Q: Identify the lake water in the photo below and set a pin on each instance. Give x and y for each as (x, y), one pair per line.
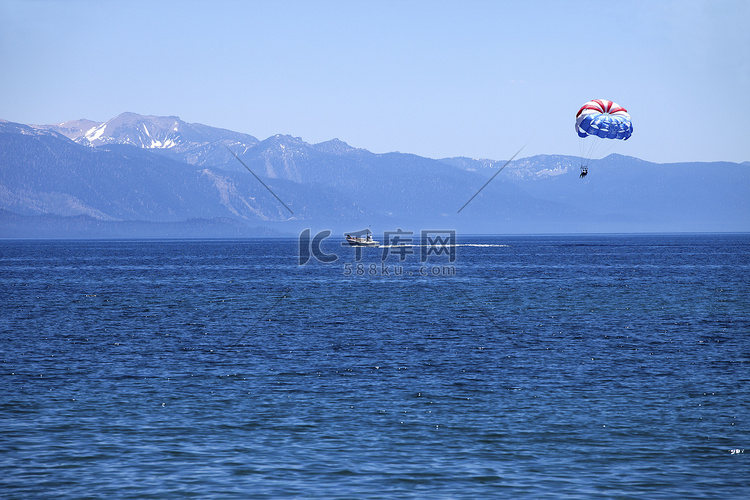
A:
(523, 367)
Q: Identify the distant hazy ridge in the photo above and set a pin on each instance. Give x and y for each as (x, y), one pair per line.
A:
(147, 176)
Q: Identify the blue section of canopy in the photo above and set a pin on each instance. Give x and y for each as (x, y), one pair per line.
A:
(605, 126)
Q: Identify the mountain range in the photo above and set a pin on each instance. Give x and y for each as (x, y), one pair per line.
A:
(149, 176)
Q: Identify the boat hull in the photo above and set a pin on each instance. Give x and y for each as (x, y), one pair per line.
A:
(362, 242)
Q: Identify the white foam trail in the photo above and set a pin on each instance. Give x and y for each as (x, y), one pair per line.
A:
(479, 245)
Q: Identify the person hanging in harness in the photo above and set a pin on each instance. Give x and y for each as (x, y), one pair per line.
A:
(600, 121)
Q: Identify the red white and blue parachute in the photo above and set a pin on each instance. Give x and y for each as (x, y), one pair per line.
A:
(605, 119)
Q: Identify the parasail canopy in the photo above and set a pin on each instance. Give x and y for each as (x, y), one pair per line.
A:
(605, 119)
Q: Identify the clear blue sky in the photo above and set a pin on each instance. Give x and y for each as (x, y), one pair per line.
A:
(437, 79)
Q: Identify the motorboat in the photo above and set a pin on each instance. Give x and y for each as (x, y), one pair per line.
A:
(359, 241)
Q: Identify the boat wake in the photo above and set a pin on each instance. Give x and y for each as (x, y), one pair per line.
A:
(478, 245)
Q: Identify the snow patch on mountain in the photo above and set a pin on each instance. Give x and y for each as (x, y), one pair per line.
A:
(193, 143)
(95, 133)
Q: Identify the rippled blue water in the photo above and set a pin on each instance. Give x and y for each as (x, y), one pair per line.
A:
(531, 367)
